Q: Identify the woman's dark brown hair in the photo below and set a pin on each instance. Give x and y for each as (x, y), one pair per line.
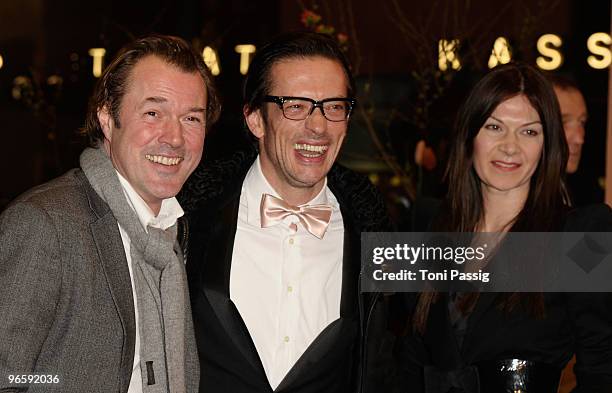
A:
(547, 197)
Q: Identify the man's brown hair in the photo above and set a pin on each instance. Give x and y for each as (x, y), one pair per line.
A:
(112, 85)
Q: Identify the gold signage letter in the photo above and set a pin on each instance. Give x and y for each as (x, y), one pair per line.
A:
(447, 54)
(599, 45)
(212, 60)
(98, 57)
(500, 53)
(551, 58)
(245, 51)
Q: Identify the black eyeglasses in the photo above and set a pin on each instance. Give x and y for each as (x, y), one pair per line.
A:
(299, 108)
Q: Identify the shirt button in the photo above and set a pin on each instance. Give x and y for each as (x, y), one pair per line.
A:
(289, 288)
(293, 227)
(286, 339)
(291, 241)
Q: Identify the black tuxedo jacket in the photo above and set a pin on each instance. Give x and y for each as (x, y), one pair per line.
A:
(228, 358)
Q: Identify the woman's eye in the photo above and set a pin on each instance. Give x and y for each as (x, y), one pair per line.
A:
(531, 132)
(493, 127)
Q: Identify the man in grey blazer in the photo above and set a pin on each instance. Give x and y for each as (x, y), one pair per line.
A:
(93, 294)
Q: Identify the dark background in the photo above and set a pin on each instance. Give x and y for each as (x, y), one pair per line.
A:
(44, 38)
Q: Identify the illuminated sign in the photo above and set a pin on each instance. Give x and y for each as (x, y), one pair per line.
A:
(548, 46)
(245, 52)
(447, 55)
(210, 56)
(500, 53)
(98, 57)
(599, 45)
(211, 60)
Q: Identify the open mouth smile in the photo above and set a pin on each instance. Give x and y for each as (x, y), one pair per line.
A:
(163, 160)
(310, 151)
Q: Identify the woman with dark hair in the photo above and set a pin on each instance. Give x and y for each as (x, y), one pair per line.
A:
(506, 171)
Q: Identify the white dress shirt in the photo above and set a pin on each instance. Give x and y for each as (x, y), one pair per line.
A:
(285, 282)
(169, 212)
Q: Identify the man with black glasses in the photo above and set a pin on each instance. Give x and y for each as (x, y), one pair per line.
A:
(274, 253)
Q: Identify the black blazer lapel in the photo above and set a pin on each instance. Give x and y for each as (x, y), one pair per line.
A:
(216, 279)
(351, 263)
(106, 235)
(336, 334)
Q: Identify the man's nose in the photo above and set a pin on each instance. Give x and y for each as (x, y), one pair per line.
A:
(316, 122)
(574, 134)
(172, 133)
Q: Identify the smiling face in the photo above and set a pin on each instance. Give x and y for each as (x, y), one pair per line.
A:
(574, 113)
(508, 147)
(296, 155)
(160, 141)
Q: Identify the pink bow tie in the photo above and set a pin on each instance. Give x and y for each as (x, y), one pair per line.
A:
(315, 218)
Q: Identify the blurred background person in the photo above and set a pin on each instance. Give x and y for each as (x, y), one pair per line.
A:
(574, 114)
(583, 188)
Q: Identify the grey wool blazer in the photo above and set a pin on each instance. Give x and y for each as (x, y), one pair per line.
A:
(66, 306)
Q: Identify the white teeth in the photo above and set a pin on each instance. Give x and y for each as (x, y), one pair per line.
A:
(163, 159)
(314, 148)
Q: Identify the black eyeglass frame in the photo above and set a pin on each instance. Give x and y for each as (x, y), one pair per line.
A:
(280, 100)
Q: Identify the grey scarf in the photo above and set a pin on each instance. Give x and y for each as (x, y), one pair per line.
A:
(168, 358)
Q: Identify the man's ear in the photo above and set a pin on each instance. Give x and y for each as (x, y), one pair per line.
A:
(254, 121)
(106, 122)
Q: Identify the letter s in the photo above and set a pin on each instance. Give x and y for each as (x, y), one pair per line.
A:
(547, 46)
(604, 56)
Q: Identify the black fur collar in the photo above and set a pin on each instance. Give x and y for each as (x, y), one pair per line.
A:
(214, 184)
